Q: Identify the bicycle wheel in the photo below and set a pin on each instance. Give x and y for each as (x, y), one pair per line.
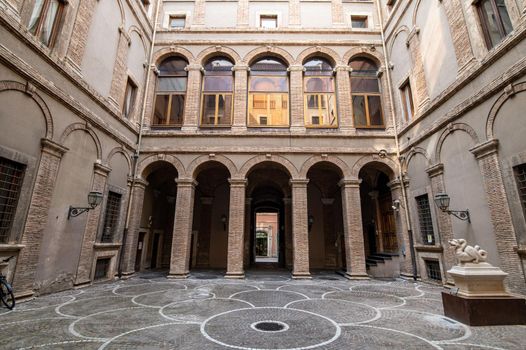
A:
(6, 294)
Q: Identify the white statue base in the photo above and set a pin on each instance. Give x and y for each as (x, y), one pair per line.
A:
(479, 280)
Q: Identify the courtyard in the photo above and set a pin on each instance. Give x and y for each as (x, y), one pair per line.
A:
(264, 311)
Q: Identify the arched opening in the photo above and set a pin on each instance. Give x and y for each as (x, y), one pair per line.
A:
(217, 93)
(378, 220)
(209, 243)
(319, 91)
(365, 93)
(170, 92)
(157, 220)
(325, 218)
(268, 232)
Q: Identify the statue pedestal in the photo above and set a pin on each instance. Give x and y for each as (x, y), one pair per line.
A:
(479, 280)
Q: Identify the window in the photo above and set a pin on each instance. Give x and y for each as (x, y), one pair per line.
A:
(177, 22)
(320, 100)
(359, 22)
(406, 94)
(268, 21)
(111, 217)
(520, 177)
(365, 90)
(495, 21)
(170, 92)
(101, 269)
(217, 98)
(45, 20)
(268, 93)
(425, 220)
(11, 176)
(433, 270)
(129, 98)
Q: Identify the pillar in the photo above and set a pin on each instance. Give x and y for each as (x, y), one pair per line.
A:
(242, 13)
(248, 232)
(182, 234)
(420, 88)
(31, 240)
(77, 44)
(193, 92)
(120, 78)
(297, 122)
(100, 176)
(500, 215)
(343, 91)
(130, 240)
(239, 122)
(287, 202)
(300, 232)
(353, 229)
(402, 234)
(236, 223)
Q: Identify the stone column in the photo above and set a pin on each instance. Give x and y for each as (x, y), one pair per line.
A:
(287, 202)
(343, 94)
(184, 208)
(199, 13)
(37, 214)
(239, 123)
(236, 223)
(100, 177)
(436, 174)
(297, 122)
(404, 244)
(337, 13)
(203, 240)
(487, 156)
(242, 13)
(300, 232)
(193, 92)
(294, 13)
(77, 43)
(353, 229)
(248, 232)
(119, 80)
(129, 243)
(420, 88)
(459, 34)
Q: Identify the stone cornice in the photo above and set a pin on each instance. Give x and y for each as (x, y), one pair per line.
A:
(344, 183)
(101, 169)
(435, 170)
(186, 182)
(238, 182)
(299, 182)
(53, 148)
(485, 149)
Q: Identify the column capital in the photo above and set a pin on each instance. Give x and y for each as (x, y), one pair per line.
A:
(186, 182)
(101, 169)
(193, 67)
(396, 183)
(342, 68)
(238, 182)
(299, 182)
(140, 183)
(350, 182)
(240, 67)
(53, 148)
(296, 68)
(435, 170)
(485, 148)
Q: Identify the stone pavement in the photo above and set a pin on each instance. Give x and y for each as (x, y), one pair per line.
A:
(265, 311)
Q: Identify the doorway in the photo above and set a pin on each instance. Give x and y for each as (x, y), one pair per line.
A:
(267, 237)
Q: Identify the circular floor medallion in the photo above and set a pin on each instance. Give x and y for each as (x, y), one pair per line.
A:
(270, 326)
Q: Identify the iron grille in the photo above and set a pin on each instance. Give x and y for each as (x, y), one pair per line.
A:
(520, 176)
(425, 220)
(101, 268)
(433, 270)
(111, 218)
(11, 175)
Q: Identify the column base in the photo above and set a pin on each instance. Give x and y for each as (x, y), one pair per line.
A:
(356, 276)
(126, 275)
(235, 275)
(301, 276)
(178, 276)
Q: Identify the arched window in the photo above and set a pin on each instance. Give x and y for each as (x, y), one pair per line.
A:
(218, 87)
(170, 92)
(365, 91)
(318, 89)
(268, 93)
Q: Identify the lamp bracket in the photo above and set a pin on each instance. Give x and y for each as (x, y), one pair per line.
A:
(460, 214)
(76, 211)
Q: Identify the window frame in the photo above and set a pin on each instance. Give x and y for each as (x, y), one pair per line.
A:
(365, 18)
(263, 16)
(406, 95)
(425, 221)
(319, 95)
(176, 16)
(217, 94)
(519, 170)
(116, 216)
(21, 168)
(127, 111)
(56, 22)
(485, 24)
(170, 95)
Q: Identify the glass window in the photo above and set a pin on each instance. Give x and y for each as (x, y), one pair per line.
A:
(268, 97)
(406, 95)
(129, 99)
(170, 92)
(495, 21)
(177, 21)
(319, 95)
(359, 22)
(217, 96)
(365, 94)
(520, 178)
(11, 176)
(45, 20)
(111, 217)
(425, 220)
(268, 21)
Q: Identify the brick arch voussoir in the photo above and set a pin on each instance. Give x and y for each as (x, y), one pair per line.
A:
(123, 12)
(375, 55)
(321, 51)
(165, 52)
(154, 158)
(84, 127)
(450, 128)
(28, 89)
(121, 150)
(363, 161)
(336, 161)
(213, 51)
(191, 171)
(399, 31)
(249, 164)
(413, 152)
(503, 98)
(140, 34)
(271, 51)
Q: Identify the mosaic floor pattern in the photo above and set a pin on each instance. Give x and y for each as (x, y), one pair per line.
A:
(264, 311)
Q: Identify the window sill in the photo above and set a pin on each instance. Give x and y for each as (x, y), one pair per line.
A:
(429, 248)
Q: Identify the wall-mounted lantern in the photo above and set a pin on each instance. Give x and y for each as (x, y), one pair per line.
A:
(442, 201)
(94, 199)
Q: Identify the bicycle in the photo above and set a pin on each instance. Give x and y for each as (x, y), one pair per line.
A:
(6, 291)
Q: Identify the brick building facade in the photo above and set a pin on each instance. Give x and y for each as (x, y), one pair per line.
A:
(345, 118)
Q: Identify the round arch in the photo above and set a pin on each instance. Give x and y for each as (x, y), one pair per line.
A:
(318, 51)
(28, 89)
(145, 163)
(140, 34)
(252, 162)
(449, 130)
(490, 122)
(413, 152)
(123, 13)
(121, 150)
(368, 159)
(399, 31)
(309, 163)
(213, 51)
(375, 55)
(196, 163)
(268, 51)
(165, 52)
(86, 128)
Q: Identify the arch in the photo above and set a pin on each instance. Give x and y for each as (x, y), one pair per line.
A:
(367, 159)
(161, 54)
(415, 12)
(196, 163)
(325, 52)
(400, 30)
(336, 161)
(167, 158)
(123, 13)
(268, 51)
(414, 151)
(449, 130)
(140, 33)
(490, 122)
(212, 51)
(375, 55)
(87, 128)
(121, 150)
(249, 164)
(30, 90)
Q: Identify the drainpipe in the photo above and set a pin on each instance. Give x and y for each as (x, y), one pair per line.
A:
(157, 9)
(393, 120)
